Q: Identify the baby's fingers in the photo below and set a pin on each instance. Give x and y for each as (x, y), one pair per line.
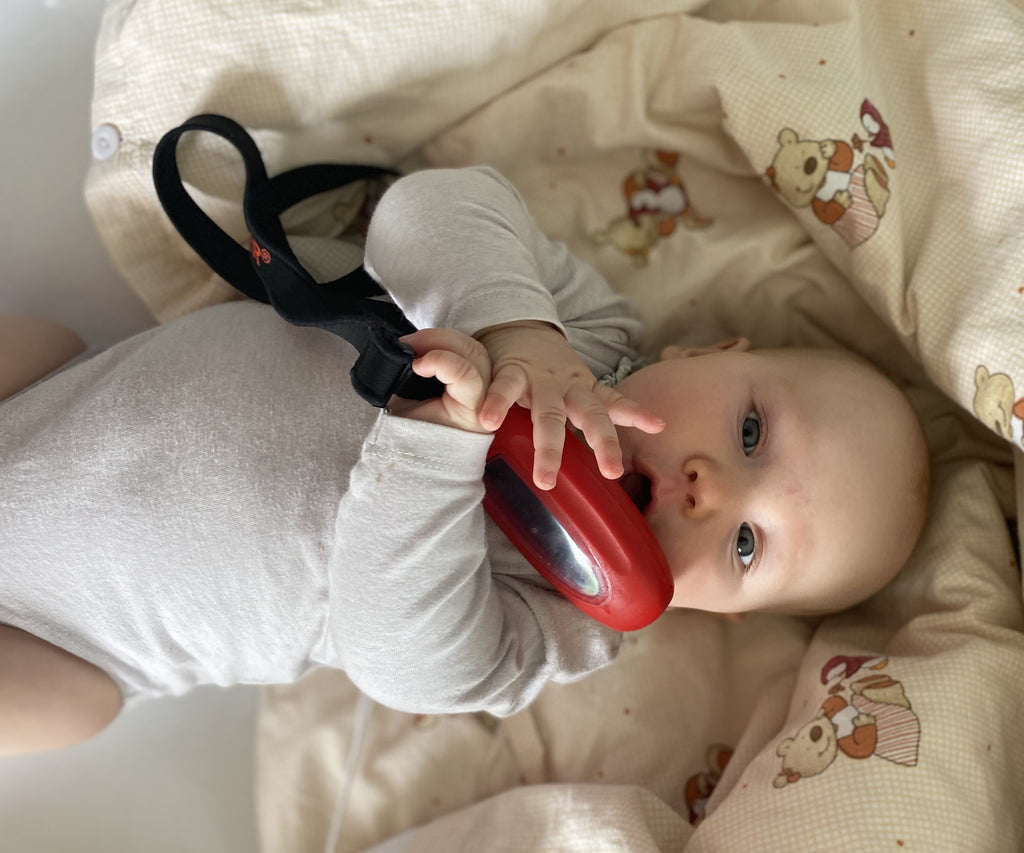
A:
(629, 413)
(461, 378)
(589, 414)
(597, 415)
(456, 360)
(507, 386)
(548, 438)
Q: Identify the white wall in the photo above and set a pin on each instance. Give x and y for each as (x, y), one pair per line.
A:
(174, 775)
(51, 262)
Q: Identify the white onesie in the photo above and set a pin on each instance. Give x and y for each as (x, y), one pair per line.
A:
(210, 502)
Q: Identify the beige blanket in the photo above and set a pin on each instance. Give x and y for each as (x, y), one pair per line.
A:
(796, 172)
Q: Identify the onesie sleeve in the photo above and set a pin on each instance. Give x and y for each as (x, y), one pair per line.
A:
(419, 619)
(457, 248)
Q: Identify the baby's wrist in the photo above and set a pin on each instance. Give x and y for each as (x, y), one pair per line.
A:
(431, 413)
(517, 324)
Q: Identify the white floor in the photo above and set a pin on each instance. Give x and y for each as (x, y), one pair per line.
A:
(174, 775)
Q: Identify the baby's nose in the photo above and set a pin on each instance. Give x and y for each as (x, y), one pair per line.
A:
(704, 488)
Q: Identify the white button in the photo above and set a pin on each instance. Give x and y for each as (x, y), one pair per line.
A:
(106, 139)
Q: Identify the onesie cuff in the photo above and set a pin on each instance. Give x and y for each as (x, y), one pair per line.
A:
(429, 445)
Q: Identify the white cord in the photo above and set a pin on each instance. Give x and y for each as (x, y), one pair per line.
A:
(364, 707)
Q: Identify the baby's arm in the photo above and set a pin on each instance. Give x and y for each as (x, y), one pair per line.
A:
(458, 248)
(31, 348)
(422, 617)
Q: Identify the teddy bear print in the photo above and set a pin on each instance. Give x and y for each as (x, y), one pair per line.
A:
(823, 175)
(700, 786)
(846, 185)
(995, 404)
(874, 719)
(656, 201)
(837, 727)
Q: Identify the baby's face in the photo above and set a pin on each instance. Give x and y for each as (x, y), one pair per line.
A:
(784, 480)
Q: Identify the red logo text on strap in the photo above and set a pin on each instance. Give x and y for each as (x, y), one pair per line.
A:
(259, 254)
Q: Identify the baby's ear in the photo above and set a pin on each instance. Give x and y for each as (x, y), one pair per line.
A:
(736, 345)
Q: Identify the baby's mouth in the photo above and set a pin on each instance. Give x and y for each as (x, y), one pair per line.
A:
(638, 487)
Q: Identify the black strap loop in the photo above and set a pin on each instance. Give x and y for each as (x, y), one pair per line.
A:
(269, 271)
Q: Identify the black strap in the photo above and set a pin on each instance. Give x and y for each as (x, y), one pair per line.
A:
(269, 271)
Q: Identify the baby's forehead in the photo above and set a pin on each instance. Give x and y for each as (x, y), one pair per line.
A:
(860, 457)
(806, 364)
(834, 387)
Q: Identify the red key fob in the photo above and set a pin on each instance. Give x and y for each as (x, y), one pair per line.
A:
(584, 536)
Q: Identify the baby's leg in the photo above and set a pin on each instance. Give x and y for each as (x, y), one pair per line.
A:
(49, 698)
(31, 348)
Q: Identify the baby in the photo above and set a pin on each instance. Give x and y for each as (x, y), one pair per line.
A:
(209, 502)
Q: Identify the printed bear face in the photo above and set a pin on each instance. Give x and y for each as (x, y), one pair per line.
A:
(800, 166)
(810, 751)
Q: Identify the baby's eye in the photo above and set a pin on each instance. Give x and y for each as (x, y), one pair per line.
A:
(750, 434)
(746, 545)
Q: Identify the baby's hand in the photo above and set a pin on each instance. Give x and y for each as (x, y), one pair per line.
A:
(462, 365)
(533, 364)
